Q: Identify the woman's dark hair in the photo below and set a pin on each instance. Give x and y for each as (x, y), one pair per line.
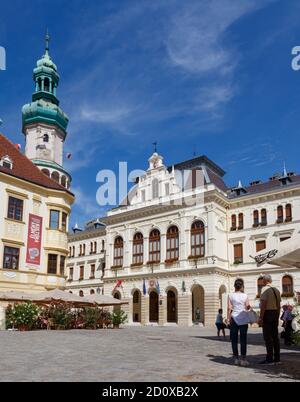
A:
(220, 311)
(238, 284)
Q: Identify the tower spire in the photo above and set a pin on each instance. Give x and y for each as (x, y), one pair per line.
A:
(47, 40)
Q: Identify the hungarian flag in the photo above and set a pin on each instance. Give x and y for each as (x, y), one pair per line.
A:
(118, 285)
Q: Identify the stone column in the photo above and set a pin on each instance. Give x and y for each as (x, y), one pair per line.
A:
(184, 310)
(163, 247)
(2, 318)
(211, 306)
(145, 310)
(162, 310)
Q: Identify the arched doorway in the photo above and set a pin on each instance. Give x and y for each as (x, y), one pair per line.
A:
(198, 304)
(117, 295)
(171, 306)
(153, 307)
(136, 306)
(223, 299)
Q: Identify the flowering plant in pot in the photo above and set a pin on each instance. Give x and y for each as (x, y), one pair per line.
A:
(22, 316)
(60, 315)
(118, 317)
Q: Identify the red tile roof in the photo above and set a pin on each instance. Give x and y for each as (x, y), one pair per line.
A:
(23, 168)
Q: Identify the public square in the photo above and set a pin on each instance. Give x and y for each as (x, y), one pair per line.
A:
(136, 354)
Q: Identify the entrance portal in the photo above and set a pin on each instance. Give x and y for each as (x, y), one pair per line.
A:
(153, 307)
(171, 306)
(136, 306)
(198, 304)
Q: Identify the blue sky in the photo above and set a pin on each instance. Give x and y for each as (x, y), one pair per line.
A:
(211, 77)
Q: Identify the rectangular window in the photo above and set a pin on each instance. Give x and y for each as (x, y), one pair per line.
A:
(54, 219)
(81, 273)
(62, 265)
(64, 221)
(260, 245)
(11, 258)
(93, 269)
(284, 239)
(238, 253)
(71, 273)
(15, 209)
(167, 188)
(52, 264)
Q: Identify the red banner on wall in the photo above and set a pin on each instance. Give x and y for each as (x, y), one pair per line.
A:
(34, 240)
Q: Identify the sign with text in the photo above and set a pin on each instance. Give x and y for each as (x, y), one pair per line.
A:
(34, 241)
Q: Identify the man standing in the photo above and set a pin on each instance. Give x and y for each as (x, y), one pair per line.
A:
(269, 319)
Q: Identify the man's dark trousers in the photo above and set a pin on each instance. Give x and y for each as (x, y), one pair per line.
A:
(271, 337)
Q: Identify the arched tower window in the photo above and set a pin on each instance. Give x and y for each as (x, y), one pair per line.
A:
(233, 222)
(138, 249)
(255, 218)
(55, 176)
(288, 213)
(280, 214)
(172, 243)
(63, 181)
(241, 221)
(118, 252)
(198, 239)
(46, 85)
(263, 214)
(46, 172)
(154, 246)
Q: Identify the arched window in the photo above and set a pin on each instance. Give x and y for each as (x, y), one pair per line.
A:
(81, 294)
(263, 214)
(154, 246)
(39, 84)
(287, 286)
(241, 221)
(136, 297)
(155, 190)
(255, 218)
(95, 247)
(118, 252)
(92, 292)
(198, 239)
(138, 249)
(288, 213)
(55, 176)
(233, 222)
(91, 248)
(83, 250)
(260, 285)
(47, 85)
(46, 172)
(63, 181)
(280, 214)
(80, 250)
(172, 243)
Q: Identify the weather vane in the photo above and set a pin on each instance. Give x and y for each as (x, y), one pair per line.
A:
(155, 146)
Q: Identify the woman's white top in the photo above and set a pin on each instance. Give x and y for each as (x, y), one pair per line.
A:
(239, 311)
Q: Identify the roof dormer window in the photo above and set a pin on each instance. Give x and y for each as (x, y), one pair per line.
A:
(6, 162)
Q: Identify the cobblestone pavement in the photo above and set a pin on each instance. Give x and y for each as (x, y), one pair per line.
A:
(136, 354)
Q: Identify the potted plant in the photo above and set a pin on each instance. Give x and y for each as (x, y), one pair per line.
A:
(91, 316)
(118, 317)
(60, 316)
(23, 316)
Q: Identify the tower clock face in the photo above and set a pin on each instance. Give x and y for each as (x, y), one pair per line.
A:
(45, 153)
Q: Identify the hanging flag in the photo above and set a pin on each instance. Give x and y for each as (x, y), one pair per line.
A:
(157, 287)
(118, 285)
(144, 288)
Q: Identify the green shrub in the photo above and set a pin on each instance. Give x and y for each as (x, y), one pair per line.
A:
(118, 317)
(20, 315)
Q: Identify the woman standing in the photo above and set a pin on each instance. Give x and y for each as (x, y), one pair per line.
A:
(238, 306)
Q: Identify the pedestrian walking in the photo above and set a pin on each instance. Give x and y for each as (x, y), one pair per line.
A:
(238, 307)
(220, 323)
(269, 320)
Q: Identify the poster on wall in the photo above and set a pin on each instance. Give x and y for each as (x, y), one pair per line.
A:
(34, 240)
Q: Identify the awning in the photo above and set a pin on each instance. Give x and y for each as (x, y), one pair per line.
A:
(102, 300)
(288, 253)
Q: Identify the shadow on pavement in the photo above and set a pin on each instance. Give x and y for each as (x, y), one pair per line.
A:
(289, 367)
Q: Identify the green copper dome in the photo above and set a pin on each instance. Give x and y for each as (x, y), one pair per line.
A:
(44, 107)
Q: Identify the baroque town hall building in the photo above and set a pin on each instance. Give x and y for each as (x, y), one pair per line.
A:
(174, 255)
